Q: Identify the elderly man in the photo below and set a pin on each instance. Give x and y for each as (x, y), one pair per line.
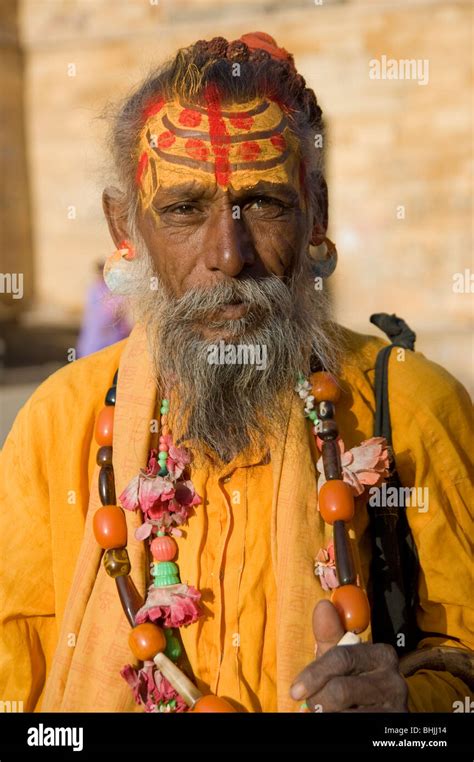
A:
(188, 506)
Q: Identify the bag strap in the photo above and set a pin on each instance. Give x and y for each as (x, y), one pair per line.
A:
(401, 335)
(394, 567)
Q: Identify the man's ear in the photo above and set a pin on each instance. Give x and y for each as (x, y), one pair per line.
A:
(318, 234)
(115, 210)
(320, 219)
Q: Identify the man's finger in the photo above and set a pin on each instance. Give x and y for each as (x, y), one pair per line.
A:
(327, 627)
(346, 660)
(342, 693)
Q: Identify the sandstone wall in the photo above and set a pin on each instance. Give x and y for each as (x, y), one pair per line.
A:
(399, 154)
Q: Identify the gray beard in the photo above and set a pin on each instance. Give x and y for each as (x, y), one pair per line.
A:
(218, 398)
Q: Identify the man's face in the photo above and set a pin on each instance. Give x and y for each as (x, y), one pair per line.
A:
(221, 195)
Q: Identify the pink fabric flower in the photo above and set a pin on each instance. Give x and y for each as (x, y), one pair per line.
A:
(145, 491)
(161, 501)
(325, 568)
(178, 459)
(152, 690)
(171, 606)
(153, 465)
(365, 465)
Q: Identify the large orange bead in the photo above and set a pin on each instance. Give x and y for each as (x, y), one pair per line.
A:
(104, 426)
(352, 606)
(324, 387)
(163, 548)
(146, 640)
(212, 703)
(110, 527)
(336, 501)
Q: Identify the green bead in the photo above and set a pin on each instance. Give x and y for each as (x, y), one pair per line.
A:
(165, 573)
(163, 472)
(163, 456)
(313, 415)
(166, 581)
(173, 647)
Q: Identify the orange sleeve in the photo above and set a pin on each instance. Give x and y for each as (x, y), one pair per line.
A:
(27, 616)
(430, 691)
(433, 435)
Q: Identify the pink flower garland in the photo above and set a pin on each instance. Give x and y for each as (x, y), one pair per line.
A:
(166, 503)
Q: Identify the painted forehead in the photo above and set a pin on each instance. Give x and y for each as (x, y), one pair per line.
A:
(237, 145)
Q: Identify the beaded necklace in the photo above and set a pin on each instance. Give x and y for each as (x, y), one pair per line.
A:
(166, 496)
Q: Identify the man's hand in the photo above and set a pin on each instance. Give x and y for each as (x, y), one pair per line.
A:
(358, 678)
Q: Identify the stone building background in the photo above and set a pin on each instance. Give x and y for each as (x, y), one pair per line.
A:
(391, 144)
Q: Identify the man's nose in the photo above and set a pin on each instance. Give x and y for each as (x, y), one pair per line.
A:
(229, 247)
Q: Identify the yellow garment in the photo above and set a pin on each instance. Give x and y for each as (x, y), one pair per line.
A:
(60, 615)
(225, 553)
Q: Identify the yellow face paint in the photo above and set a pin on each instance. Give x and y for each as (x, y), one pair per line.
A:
(238, 146)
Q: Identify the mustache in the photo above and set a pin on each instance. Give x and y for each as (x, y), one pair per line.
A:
(262, 296)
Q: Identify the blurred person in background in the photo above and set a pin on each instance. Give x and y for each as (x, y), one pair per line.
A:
(105, 320)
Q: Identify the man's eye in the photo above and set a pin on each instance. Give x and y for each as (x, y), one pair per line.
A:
(262, 202)
(267, 206)
(182, 209)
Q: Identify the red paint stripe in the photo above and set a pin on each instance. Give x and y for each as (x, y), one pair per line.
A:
(153, 108)
(218, 134)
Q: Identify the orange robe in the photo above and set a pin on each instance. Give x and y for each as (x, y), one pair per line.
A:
(249, 548)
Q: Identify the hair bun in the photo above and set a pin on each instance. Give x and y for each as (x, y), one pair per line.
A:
(217, 47)
(238, 51)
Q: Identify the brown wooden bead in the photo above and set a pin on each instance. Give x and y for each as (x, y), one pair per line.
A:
(343, 556)
(336, 501)
(117, 562)
(332, 460)
(327, 430)
(104, 427)
(352, 606)
(110, 527)
(111, 396)
(106, 486)
(130, 598)
(324, 387)
(104, 456)
(146, 640)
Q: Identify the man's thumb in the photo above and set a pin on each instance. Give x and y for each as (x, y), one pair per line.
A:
(327, 627)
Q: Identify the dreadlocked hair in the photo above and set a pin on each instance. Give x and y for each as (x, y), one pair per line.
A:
(240, 74)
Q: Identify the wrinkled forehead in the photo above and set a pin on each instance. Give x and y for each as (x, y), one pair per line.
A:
(237, 145)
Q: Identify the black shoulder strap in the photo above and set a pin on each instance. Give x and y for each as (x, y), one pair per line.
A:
(394, 568)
